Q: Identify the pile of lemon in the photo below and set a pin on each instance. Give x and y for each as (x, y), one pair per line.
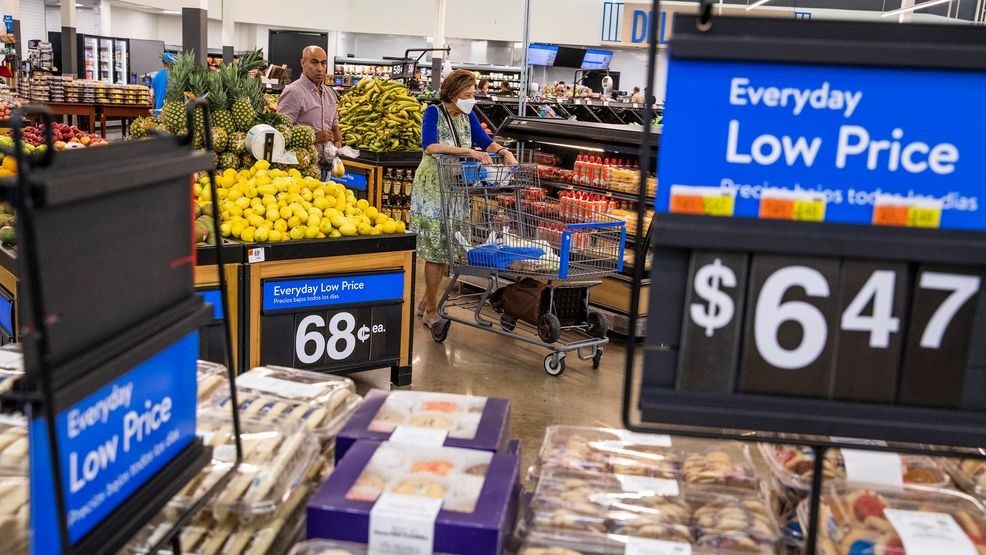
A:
(267, 206)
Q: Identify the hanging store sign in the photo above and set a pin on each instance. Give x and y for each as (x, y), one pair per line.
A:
(112, 442)
(332, 322)
(820, 259)
(628, 23)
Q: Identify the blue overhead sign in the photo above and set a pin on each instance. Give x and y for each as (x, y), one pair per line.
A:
(112, 442)
(323, 291)
(854, 136)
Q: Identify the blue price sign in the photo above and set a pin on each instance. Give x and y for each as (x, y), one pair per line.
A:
(317, 292)
(8, 23)
(814, 141)
(351, 180)
(113, 441)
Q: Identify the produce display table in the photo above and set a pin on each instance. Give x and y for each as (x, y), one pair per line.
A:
(338, 306)
(8, 295)
(124, 112)
(78, 109)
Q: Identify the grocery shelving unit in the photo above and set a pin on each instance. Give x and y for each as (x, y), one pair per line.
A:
(348, 71)
(495, 110)
(495, 75)
(567, 139)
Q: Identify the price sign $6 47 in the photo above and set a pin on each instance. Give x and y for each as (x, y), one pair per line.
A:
(771, 311)
(311, 343)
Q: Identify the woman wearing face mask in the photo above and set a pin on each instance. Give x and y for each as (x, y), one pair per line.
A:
(451, 127)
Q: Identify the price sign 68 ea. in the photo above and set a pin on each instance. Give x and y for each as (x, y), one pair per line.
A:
(828, 328)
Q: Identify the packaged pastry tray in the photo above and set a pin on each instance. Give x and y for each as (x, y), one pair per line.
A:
(13, 445)
(212, 377)
(15, 511)
(277, 459)
(299, 385)
(611, 451)
(207, 535)
(589, 508)
(793, 466)
(913, 519)
(324, 421)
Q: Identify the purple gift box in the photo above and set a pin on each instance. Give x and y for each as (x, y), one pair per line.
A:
(468, 523)
(472, 422)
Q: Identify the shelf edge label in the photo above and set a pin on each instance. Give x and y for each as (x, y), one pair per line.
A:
(324, 291)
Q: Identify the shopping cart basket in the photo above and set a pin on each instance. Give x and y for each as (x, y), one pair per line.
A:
(499, 223)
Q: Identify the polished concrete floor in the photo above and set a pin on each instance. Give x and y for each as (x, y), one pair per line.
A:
(477, 362)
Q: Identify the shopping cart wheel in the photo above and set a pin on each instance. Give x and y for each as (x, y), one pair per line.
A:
(598, 324)
(596, 358)
(549, 328)
(554, 364)
(439, 330)
(508, 323)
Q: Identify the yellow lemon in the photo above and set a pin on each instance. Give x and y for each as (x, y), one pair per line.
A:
(234, 194)
(311, 232)
(318, 193)
(294, 187)
(306, 194)
(348, 229)
(325, 226)
(226, 229)
(261, 234)
(375, 231)
(364, 229)
(389, 227)
(277, 172)
(256, 220)
(248, 234)
(268, 200)
(274, 236)
(243, 203)
(335, 233)
(236, 228)
(337, 220)
(248, 212)
(262, 165)
(235, 211)
(362, 204)
(251, 192)
(272, 213)
(297, 232)
(286, 212)
(330, 202)
(401, 227)
(281, 225)
(294, 173)
(320, 203)
(294, 221)
(371, 212)
(382, 219)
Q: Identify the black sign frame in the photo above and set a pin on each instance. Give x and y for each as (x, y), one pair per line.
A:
(652, 401)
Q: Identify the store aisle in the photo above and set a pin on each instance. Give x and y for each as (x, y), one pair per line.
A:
(481, 363)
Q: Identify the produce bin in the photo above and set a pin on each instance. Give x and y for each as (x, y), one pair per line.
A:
(373, 165)
(340, 305)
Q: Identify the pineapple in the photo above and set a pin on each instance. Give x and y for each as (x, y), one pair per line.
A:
(228, 160)
(304, 159)
(247, 161)
(219, 103)
(220, 139)
(311, 171)
(173, 116)
(199, 83)
(237, 142)
(179, 81)
(243, 113)
(302, 136)
(314, 154)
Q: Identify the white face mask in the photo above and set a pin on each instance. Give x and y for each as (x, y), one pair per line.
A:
(465, 104)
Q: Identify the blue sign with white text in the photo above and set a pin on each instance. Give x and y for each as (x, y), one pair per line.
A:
(112, 442)
(854, 135)
(352, 180)
(317, 292)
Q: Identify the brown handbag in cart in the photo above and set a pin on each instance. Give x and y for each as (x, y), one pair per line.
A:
(522, 300)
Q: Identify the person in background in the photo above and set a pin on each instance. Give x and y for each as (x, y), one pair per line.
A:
(450, 127)
(483, 88)
(637, 97)
(505, 88)
(309, 101)
(159, 82)
(560, 89)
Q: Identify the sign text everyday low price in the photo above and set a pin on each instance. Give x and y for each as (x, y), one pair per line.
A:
(113, 441)
(851, 135)
(332, 290)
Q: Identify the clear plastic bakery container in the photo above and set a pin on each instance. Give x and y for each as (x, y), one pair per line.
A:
(277, 461)
(793, 467)
(13, 445)
(969, 474)
(610, 451)
(324, 421)
(300, 385)
(655, 499)
(207, 535)
(855, 519)
(733, 520)
(211, 378)
(15, 508)
(328, 547)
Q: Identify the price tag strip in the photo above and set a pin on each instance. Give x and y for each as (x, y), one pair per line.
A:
(804, 206)
(704, 201)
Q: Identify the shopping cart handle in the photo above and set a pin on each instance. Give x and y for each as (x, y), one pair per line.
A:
(596, 225)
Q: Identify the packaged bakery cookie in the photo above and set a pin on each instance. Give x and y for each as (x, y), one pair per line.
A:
(472, 491)
(323, 420)
(276, 459)
(910, 520)
(611, 451)
(208, 535)
(329, 391)
(969, 474)
(452, 420)
(793, 466)
(212, 378)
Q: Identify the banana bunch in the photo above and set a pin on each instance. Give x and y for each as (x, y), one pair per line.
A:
(380, 116)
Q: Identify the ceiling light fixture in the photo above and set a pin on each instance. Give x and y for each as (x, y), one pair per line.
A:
(756, 4)
(913, 8)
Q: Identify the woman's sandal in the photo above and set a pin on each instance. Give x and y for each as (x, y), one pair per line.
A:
(421, 308)
(429, 319)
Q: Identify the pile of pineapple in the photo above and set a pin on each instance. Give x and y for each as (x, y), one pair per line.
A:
(237, 103)
(268, 205)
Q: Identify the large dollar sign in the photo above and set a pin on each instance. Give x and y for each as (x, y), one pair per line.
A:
(708, 283)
